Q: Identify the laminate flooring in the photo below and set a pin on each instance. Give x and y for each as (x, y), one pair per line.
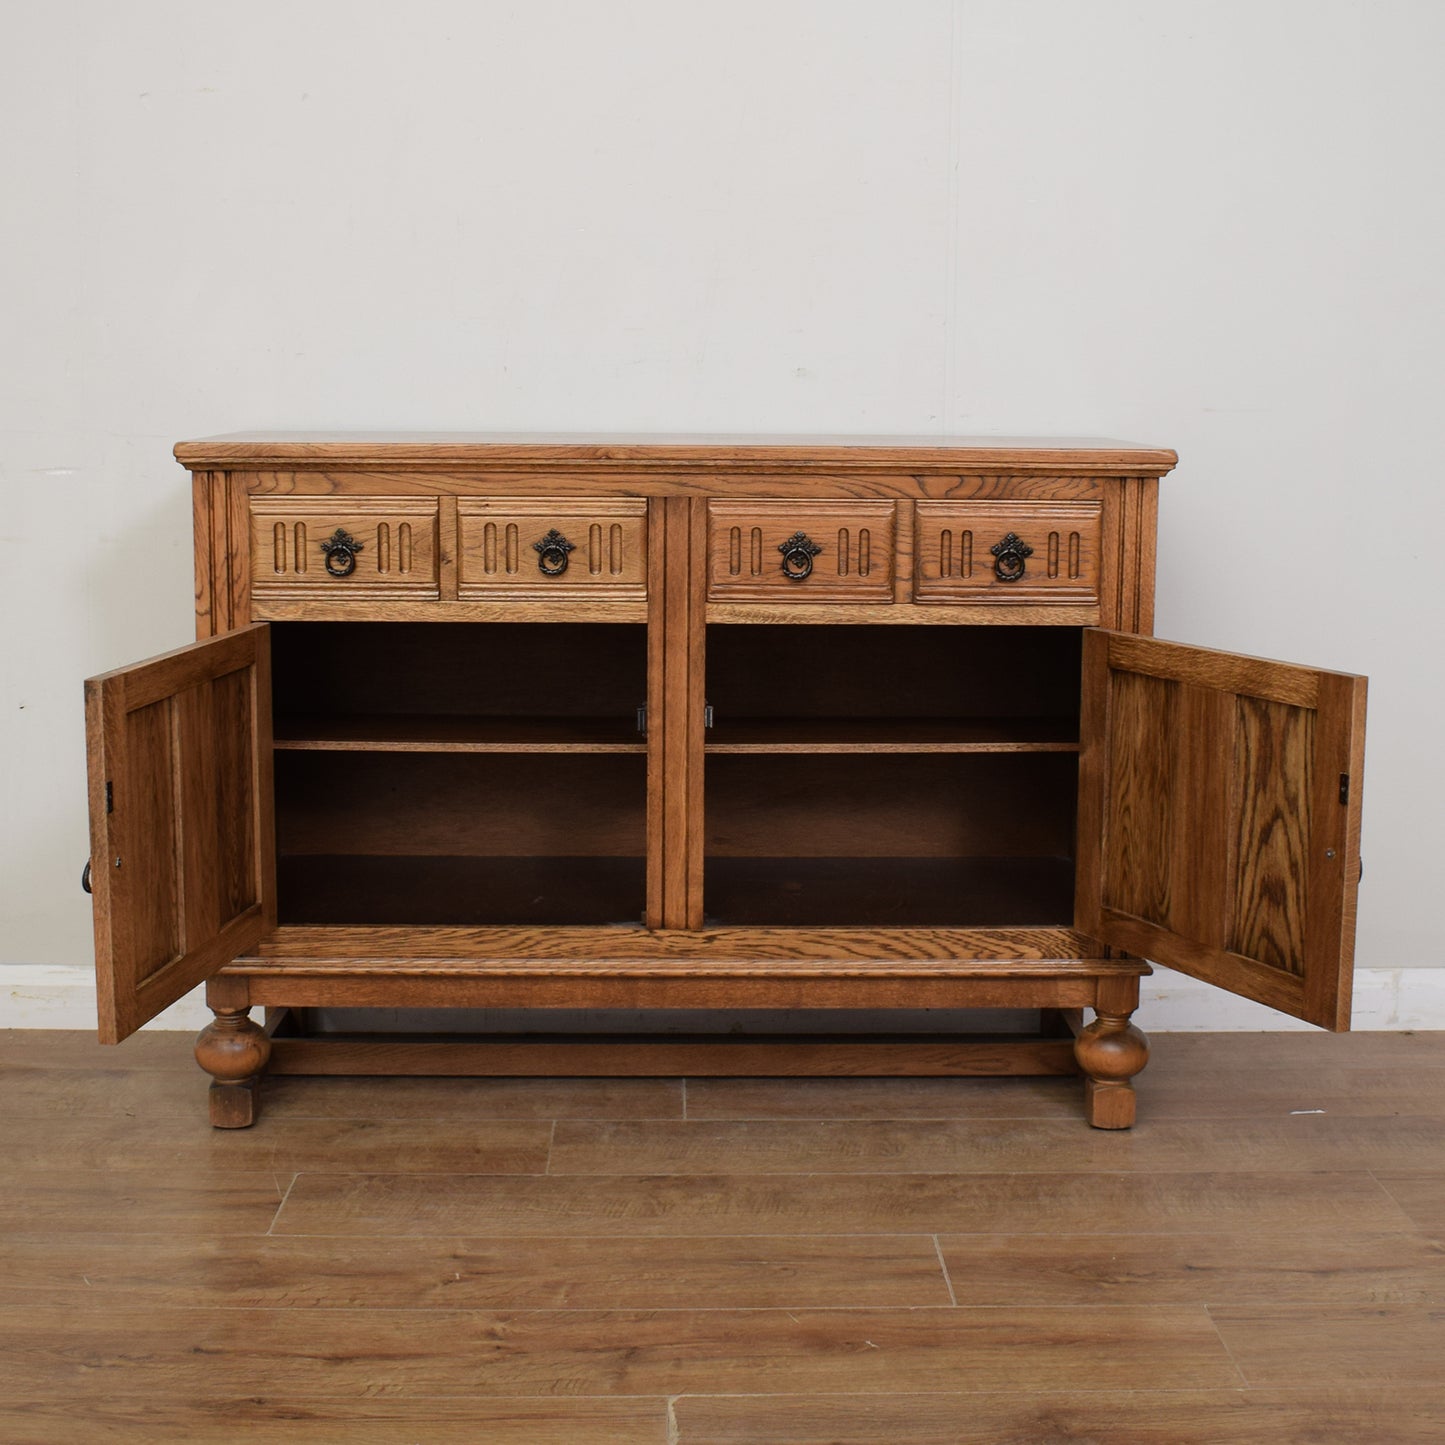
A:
(752, 1261)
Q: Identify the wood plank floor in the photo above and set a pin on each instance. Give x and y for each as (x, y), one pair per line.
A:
(754, 1261)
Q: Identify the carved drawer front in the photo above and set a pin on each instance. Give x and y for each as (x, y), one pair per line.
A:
(803, 551)
(332, 547)
(1007, 552)
(534, 549)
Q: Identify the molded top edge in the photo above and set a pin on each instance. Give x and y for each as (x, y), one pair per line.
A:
(624, 450)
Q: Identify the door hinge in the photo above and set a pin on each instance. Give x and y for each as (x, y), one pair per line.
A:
(642, 717)
(1344, 787)
(109, 798)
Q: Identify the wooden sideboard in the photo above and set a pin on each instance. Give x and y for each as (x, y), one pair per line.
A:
(704, 723)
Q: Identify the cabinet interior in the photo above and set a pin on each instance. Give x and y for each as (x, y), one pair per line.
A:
(459, 774)
(495, 774)
(891, 775)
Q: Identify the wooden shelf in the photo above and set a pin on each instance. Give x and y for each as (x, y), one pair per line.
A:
(430, 733)
(893, 735)
(404, 733)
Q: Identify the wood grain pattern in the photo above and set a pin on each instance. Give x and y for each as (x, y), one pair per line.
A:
(955, 614)
(206, 619)
(237, 1272)
(141, 1201)
(448, 548)
(1334, 865)
(584, 1352)
(667, 452)
(853, 563)
(1092, 1269)
(578, 480)
(1349, 1093)
(1204, 667)
(1282, 1294)
(969, 1146)
(460, 1101)
(643, 963)
(913, 1098)
(397, 555)
(347, 609)
(534, 987)
(1139, 529)
(498, 557)
(687, 1205)
(1421, 1194)
(646, 1055)
(988, 952)
(1384, 1416)
(697, 633)
(1143, 809)
(1273, 768)
(1420, 1051)
(225, 558)
(1216, 823)
(100, 1093)
(954, 561)
(676, 641)
(1333, 1346)
(178, 751)
(181, 1418)
(178, 1148)
(238, 571)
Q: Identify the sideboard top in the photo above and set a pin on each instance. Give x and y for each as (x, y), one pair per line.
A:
(644, 452)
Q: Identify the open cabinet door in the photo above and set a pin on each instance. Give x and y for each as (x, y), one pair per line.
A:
(181, 847)
(1219, 818)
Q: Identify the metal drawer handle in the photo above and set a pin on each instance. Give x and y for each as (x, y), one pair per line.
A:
(85, 876)
(552, 553)
(341, 549)
(1010, 557)
(798, 553)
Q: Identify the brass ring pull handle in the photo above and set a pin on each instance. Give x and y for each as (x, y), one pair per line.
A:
(1009, 557)
(341, 549)
(85, 876)
(552, 553)
(798, 553)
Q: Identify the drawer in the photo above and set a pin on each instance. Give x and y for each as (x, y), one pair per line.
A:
(372, 547)
(992, 551)
(533, 549)
(801, 551)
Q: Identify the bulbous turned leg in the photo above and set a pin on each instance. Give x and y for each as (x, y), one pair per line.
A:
(233, 1051)
(1110, 1051)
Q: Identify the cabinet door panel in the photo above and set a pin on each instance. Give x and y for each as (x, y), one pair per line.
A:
(179, 752)
(1219, 818)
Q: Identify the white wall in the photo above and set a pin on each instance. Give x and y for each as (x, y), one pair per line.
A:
(1209, 224)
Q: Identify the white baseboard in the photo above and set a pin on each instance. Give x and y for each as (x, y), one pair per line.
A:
(46, 996)
(62, 996)
(1385, 998)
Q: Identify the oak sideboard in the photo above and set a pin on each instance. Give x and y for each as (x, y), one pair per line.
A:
(677, 723)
